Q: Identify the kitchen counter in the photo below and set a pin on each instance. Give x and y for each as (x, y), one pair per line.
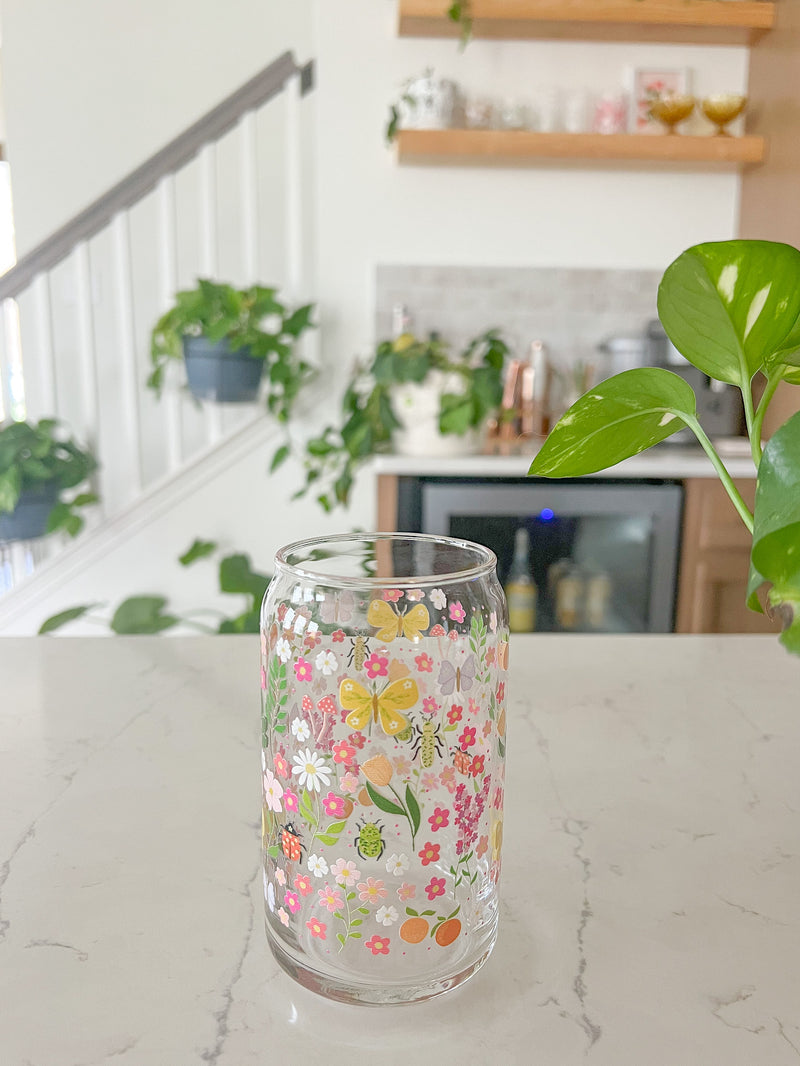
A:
(664, 461)
(649, 892)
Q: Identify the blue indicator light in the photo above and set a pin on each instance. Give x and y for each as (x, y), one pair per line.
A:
(546, 514)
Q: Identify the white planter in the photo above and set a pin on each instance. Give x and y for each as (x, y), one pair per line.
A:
(417, 409)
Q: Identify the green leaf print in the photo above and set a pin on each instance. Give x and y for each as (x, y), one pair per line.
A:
(413, 809)
(383, 803)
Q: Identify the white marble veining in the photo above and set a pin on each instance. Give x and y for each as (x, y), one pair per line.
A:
(650, 911)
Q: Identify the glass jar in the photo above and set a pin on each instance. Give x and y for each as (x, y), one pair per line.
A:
(383, 745)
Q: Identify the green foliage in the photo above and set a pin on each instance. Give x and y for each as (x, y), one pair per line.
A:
(150, 614)
(460, 12)
(253, 319)
(368, 416)
(35, 456)
(732, 308)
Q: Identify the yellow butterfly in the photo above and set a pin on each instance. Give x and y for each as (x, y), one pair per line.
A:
(385, 706)
(391, 623)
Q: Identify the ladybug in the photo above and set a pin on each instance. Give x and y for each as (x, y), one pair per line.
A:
(462, 762)
(291, 845)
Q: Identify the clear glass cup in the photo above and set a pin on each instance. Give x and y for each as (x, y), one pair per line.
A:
(383, 747)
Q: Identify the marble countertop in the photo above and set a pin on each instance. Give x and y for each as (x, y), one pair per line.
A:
(650, 907)
(665, 461)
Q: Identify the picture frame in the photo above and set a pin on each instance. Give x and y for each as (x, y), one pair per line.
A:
(645, 83)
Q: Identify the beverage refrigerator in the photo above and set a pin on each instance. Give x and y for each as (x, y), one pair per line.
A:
(603, 553)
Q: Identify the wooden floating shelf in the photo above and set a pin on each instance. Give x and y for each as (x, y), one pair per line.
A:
(732, 22)
(524, 148)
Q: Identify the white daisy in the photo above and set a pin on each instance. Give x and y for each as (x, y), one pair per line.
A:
(301, 729)
(283, 649)
(317, 865)
(273, 790)
(327, 662)
(386, 915)
(397, 864)
(438, 599)
(310, 770)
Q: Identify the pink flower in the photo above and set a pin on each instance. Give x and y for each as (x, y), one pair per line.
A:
(303, 885)
(483, 847)
(448, 778)
(474, 706)
(331, 898)
(501, 692)
(497, 798)
(489, 657)
(371, 891)
(292, 901)
(477, 765)
(345, 872)
(424, 663)
(333, 805)
(284, 917)
(436, 631)
(378, 945)
(439, 819)
(429, 781)
(429, 705)
(358, 740)
(392, 595)
(281, 765)
(457, 612)
(468, 737)
(302, 669)
(429, 853)
(401, 766)
(435, 887)
(487, 728)
(312, 640)
(349, 783)
(343, 752)
(291, 802)
(377, 665)
(337, 636)
(454, 714)
(317, 928)
(263, 679)
(407, 891)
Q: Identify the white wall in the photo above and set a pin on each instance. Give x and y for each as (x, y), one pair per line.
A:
(92, 88)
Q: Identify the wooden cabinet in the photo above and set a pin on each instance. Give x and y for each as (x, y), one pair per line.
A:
(715, 561)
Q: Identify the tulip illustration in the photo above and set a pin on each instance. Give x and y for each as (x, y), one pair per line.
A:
(377, 770)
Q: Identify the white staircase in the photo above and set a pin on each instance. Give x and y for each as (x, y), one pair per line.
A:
(223, 200)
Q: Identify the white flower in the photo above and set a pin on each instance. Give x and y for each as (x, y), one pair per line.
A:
(413, 595)
(327, 662)
(310, 770)
(317, 865)
(386, 915)
(273, 790)
(438, 599)
(284, 649)
(271, 896)
(300, 729)
(397, 864)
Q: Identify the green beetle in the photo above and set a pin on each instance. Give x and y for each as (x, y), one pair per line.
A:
(370, 843)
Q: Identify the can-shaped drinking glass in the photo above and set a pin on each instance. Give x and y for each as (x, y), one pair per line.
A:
(383, 752)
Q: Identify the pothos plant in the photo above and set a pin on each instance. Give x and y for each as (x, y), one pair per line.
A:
(38, 456)
(368, 415)
(732, 308)
(252, 318)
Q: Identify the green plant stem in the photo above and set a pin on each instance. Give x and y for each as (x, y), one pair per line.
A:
(773, 381)
(405, 812)
(747, 398)
(721, 469)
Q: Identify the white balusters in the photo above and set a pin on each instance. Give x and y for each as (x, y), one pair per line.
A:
(45, 358)
(168, 284)
(294, 191)
(126, 350)
(249, 196)
(209, 254)
(86, 355)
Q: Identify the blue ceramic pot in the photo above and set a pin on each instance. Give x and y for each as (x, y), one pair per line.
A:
(29, 519)
(216, 373)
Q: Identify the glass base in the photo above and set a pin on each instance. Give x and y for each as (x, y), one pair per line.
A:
(387, 994)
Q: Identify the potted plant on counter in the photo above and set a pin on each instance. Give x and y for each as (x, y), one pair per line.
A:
(38, 468)
(414, 397)
(229, 338)
(732, 308)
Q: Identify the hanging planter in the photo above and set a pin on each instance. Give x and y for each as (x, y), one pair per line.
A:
(37, 470)
(216, 372)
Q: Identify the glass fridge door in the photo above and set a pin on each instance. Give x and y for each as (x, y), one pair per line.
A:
(603, 555)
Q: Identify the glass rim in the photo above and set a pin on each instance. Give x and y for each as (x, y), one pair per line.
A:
(486, 567)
